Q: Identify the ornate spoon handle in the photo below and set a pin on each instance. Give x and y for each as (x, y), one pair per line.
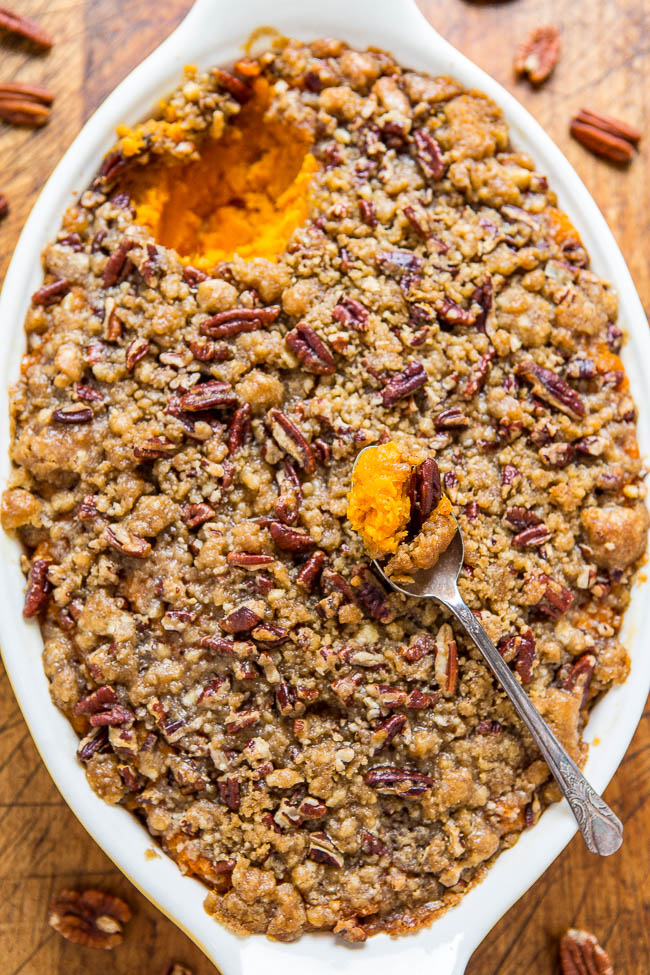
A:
(601, 829)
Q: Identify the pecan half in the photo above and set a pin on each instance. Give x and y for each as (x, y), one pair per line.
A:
(428, 154)
(289, 438)
(50, 294)
(91, 917)
(22, 110)
(226, 324)
(371, 597)
(322, 850)
(38, 588)
(403, 782)
(289, 539)
(404, 383)
(605, 136)
(351, 313)
(124, 542)
(580, 954)
(208, 396)
(287, 505)
(424, 491)
(208, 350)
(606, 123)
(310, 350)
(551, 388)
(538, 54)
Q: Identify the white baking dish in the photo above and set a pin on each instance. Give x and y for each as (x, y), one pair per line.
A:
(211, 34)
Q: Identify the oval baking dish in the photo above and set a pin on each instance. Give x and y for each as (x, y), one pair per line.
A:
(213, 33)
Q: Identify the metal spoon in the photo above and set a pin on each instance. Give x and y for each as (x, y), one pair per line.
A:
(601, 829)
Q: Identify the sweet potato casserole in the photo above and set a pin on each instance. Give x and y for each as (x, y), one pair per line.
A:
(315, 251)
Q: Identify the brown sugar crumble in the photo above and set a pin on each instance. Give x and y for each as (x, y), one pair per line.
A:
(323, 754)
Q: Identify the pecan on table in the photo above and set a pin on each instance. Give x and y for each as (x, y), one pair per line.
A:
(91, 918)
(4, 206)
(15, 23)
(580, 954)
(605, 136)
(538, 54)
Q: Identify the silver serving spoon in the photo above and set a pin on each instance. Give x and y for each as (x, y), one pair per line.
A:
(602, 831)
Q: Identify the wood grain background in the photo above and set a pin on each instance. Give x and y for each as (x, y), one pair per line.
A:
(605, 65)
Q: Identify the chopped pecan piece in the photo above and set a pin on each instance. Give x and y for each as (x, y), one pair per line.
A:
(209, 350)
(230, 792)
(97, 700)
(521, 518)
(417, 220)
(551, 388)
(287, 701)
(579, 677)
(243, 719)
(50, 294)
(310, 350)
(91, 918)
(271, 634)
(351, 313)
(429, 155)
(400, 264)
(322, 850)
(424, 491)
(446, 663)
(372, 598)
(73, 413)
(135, 351)
(239, 428)
(208, 396)
(386, 730)
(488, 726)
(403, 782)
(531, 537)
(289, 539)
(239, 90)
(477, 377)
(580, 954)
(556, 599)
(126, 543)
(241, 620)
(404, 383)
(117, 263)
(557, 454)
(38, 588)
(248, 560)
(351, 930)
(451, 313)
(538, 54)
(94, 742)
(449, 419)
(115, 715)
(371, 845)
(289, 438)
(309, 574)
(226, 324)
(194, 515)
(287, 505)
(154, 448)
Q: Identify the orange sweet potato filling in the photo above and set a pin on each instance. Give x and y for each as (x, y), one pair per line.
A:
(378, 504)
(245, 195)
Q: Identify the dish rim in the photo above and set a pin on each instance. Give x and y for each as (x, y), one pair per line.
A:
(397, 26)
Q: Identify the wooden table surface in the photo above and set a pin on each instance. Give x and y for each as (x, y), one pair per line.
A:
(605, 65)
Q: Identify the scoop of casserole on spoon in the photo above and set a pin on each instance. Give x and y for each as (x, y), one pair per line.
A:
(388, 501)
